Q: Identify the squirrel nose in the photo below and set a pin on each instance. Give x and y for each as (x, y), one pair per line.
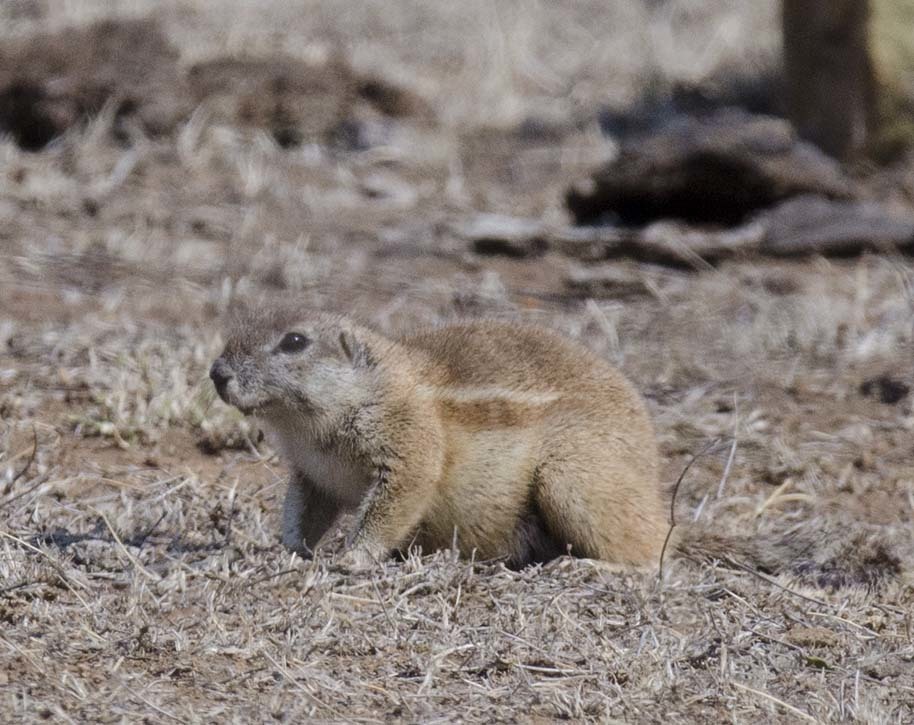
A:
(220, 373)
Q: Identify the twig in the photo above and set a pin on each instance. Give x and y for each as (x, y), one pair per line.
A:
(685, 470)
(771, 698)
(287, 675)
(133, 560)
(38, 483)
(390, 622)
(28, 463)
(865, 630)
(142, 539)
(147, 702)
(274, 575)
(57, 567)
(20, 585)
(231, 515)
(726, 474)
(25, 468)
(769, 580)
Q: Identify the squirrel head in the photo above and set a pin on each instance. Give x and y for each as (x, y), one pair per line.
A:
(281, 362)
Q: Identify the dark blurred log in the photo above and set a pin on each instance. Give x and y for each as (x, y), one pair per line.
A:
(718, 169)
(802, 226)
(811, 225)
(830, 82)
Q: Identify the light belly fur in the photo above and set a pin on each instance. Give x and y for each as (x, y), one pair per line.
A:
(344, 479)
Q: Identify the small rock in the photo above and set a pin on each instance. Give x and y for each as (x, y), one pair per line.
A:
(718, 168)
(593, 244)
(664, 242)
(390, 189)
(886, 667)
(359, 134)
(813, 637)
(504, 235)
(815, 225)
(677, 243)
(886, 389)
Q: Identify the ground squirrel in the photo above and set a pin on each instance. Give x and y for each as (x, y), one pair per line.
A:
(502, 438)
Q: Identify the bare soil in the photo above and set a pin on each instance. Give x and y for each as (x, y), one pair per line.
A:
(141, 576)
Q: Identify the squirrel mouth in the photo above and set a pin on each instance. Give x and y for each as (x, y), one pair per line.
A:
(244, 408)
(255, 409)
(250, 409)
(234, 397)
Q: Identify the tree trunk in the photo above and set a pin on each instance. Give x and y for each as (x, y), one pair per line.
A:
(830, 83)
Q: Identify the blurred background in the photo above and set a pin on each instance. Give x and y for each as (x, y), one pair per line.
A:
(179, 137)
(717, 196)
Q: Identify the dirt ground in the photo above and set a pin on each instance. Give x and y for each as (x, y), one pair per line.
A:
(193, 157)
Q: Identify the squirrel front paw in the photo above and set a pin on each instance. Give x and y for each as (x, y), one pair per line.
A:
(360, 557)
(296, 545)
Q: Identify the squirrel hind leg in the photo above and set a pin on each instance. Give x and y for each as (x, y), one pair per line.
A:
(534, 543)
(602, 510)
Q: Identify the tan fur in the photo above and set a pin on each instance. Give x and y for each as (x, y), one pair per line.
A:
(509, 440)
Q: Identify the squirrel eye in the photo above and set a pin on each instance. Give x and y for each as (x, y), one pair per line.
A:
(293, 342)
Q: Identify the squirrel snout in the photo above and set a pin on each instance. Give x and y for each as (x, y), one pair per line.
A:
(220, 373)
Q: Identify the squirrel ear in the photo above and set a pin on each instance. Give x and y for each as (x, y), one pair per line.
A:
(354, 349)
(237, 310)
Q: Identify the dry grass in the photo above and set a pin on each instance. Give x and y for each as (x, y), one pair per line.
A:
(140, 572)
(893, 46)
(480, 62)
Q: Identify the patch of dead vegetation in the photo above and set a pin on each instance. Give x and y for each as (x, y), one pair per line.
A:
(53, 82)
(297, 102)
(187, 607)
(50, 83)
(167, 556)
(140, 572)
